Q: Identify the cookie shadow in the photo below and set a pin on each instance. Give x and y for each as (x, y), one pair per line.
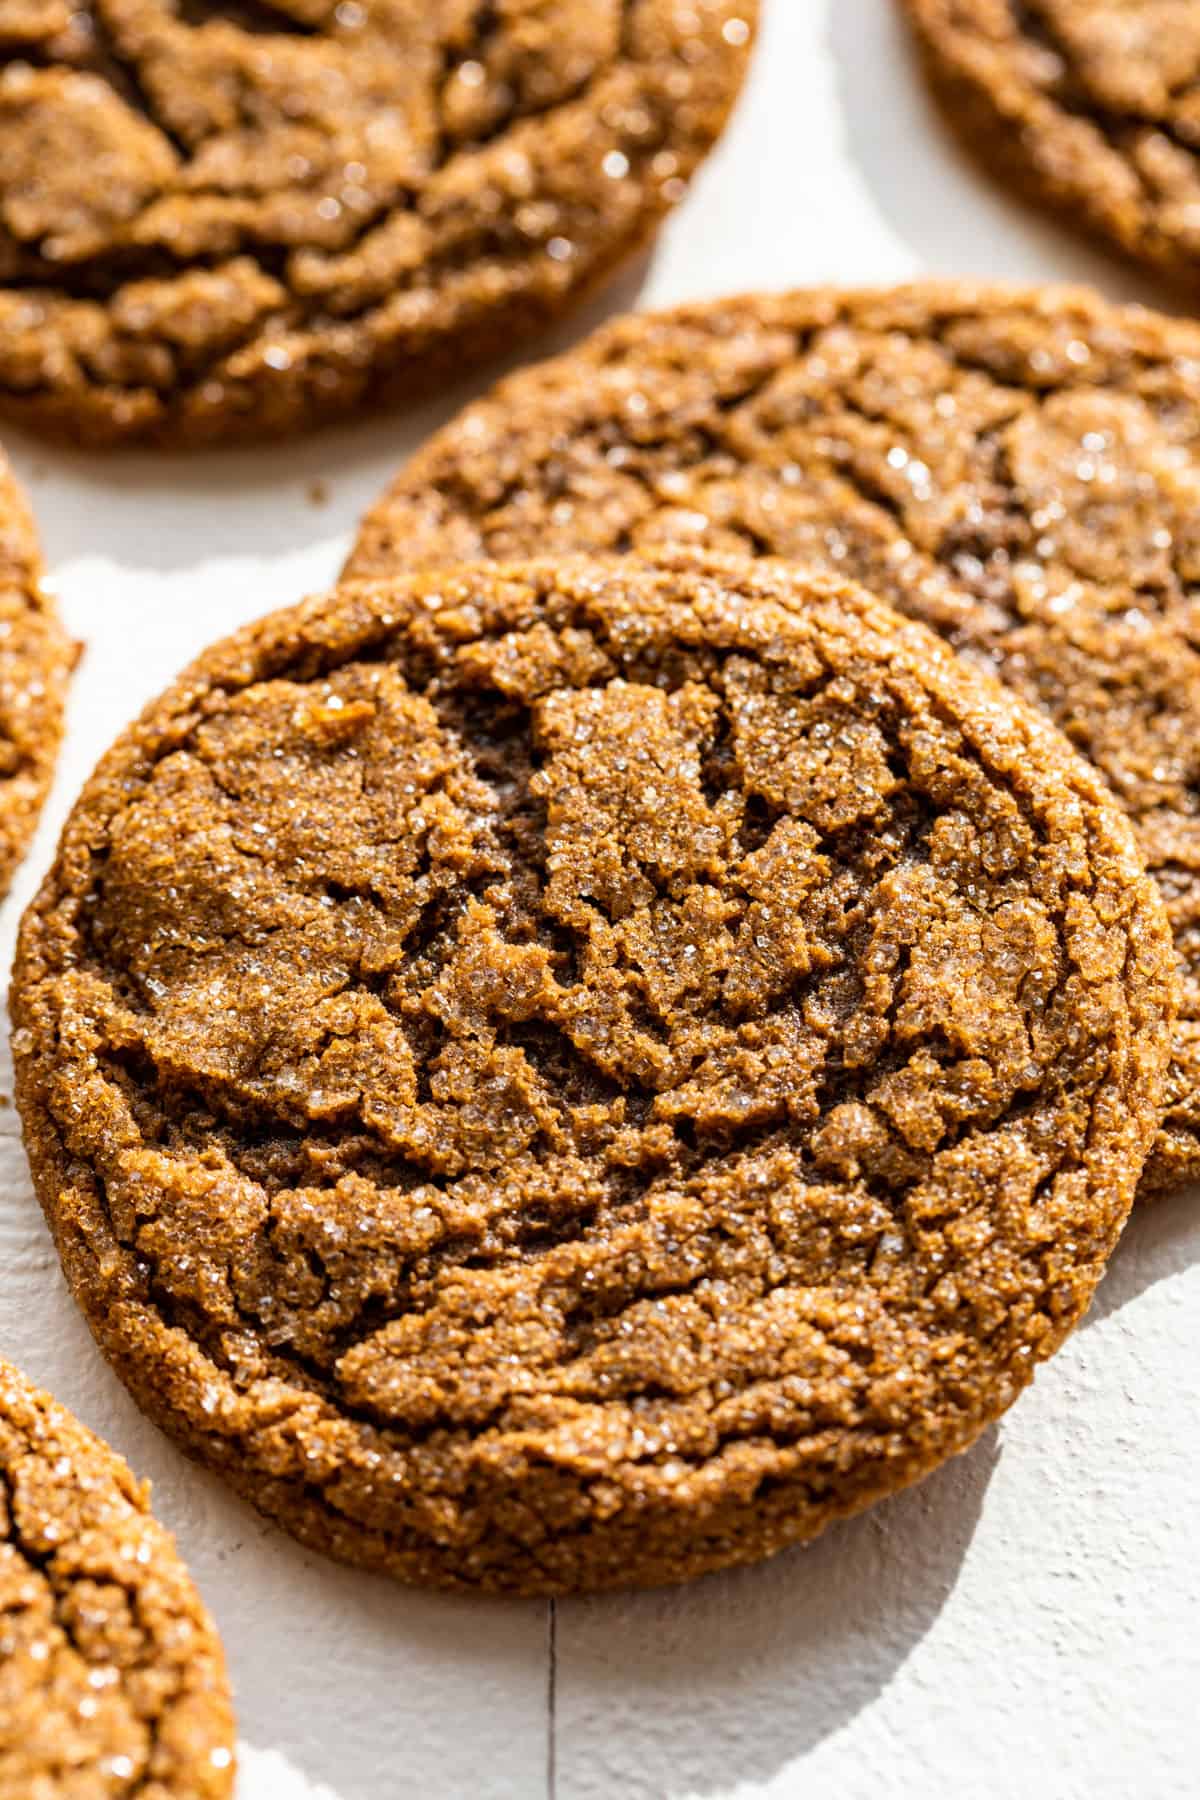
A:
(432, 1690)
(772, 1660)
(954, 217)
(1160, 1242)
(164, 511)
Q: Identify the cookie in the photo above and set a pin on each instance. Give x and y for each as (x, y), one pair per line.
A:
(1020, 470)
(112, 1680)
(235, 221)
(1089, 106)
(573, 1075)
(36, 659)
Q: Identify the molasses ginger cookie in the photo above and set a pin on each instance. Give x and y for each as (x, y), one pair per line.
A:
(1089, 106)
(1019, 470)
(36, 659)
(571, 1075)
(112, 1680)
(227, 221)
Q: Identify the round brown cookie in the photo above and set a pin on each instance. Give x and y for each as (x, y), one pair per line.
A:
(1021, 470)
(36, 659)
(220, 221)
(112, 1680)
(569, 1075)
(1092, 106)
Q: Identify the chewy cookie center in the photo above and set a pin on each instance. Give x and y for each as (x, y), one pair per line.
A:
(608, 945)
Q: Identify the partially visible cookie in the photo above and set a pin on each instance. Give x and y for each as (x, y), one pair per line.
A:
(228, 221)
(112, 1680)
(1091, 106)
(574, 1075)
(36, 659)
(1018, 469)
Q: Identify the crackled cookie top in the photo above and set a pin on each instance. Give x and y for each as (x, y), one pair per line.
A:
(35, 662)
(1091, 105)
(112, 1681)
(587, 1072)
(228, 219)
(1020, 470)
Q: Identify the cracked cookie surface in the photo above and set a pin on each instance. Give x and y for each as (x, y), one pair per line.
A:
(112, 1679)
(562, 1076)
(219, 221)
(36, 659)
(1090, 106)
(1020, 470)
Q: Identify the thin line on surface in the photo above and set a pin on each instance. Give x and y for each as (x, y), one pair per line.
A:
(551, 1696)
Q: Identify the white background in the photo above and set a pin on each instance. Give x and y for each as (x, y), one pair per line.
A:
(1025, 1622)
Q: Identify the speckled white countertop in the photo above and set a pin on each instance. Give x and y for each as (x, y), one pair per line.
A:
(1025, 1622)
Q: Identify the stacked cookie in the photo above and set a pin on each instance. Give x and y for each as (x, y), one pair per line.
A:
(626, 1032)
(1017, 470)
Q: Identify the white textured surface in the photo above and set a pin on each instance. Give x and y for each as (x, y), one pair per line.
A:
(1023, 1623)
